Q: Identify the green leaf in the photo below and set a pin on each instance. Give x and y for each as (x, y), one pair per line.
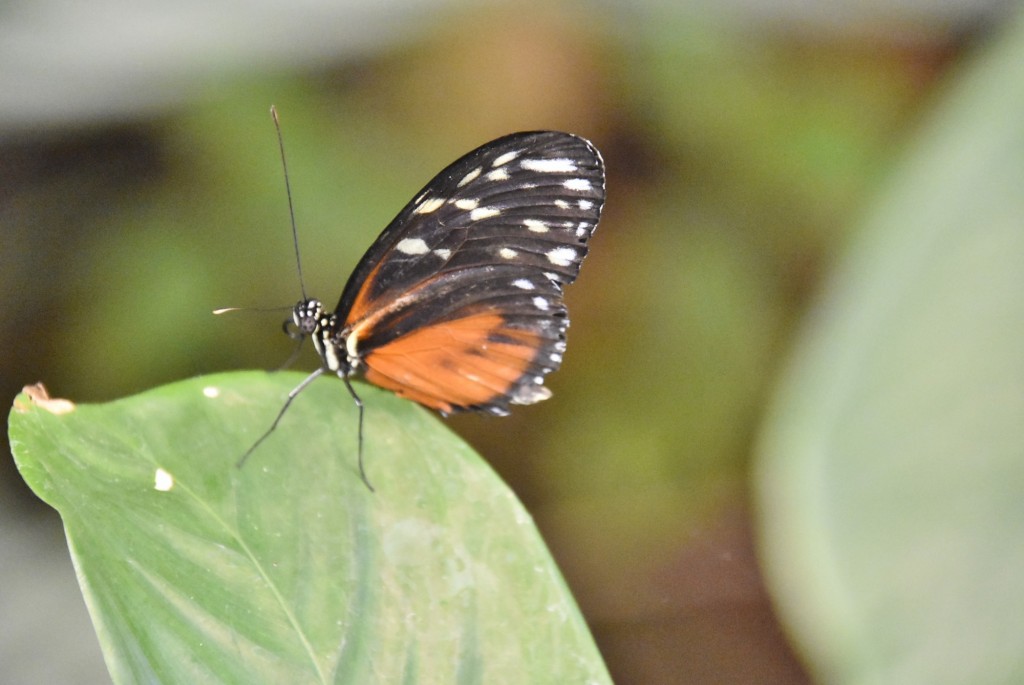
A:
(289, 570)
(892, 473)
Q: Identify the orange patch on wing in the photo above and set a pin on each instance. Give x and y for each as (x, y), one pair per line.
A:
(362, 304)
(454, 364)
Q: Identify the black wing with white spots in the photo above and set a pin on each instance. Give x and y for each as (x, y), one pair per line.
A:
(527, 199)
(458, 304)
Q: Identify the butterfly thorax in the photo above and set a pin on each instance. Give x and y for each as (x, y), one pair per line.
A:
(311, 319)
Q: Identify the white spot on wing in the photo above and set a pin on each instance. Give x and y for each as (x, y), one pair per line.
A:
(507, 253)
(467, 204)
(505, 158)
(562, 256)
(541, 304)
(431, 205)
(523, 284)
(443, 252)
(498, 175)
(561, 204)
(211, 391)
(412, 246)
(528, 394)
(468, 178)
(535, 225)
(549, 166)
(585, 204)
(163, 481)
(483, 213)
(577, 184)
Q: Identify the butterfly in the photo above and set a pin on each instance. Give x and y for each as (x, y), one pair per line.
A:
(458, 303)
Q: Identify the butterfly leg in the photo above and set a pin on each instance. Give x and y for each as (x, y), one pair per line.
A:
(293, 356)
(288, 402)
(359, 405)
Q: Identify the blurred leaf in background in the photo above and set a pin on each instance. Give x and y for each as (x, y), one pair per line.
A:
(893, 464)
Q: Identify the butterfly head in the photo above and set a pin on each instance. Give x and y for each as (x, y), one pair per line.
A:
(307, 317)
(310, 319)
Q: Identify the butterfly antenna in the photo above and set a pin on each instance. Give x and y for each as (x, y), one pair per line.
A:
(288, 191)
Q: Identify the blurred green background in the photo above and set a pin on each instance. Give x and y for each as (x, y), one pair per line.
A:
(140, 188)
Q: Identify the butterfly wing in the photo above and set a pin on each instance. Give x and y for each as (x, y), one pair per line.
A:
(458, 304)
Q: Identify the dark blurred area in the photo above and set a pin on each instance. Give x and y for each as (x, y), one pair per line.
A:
(741, 148)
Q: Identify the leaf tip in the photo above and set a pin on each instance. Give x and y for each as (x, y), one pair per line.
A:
(39, 396)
